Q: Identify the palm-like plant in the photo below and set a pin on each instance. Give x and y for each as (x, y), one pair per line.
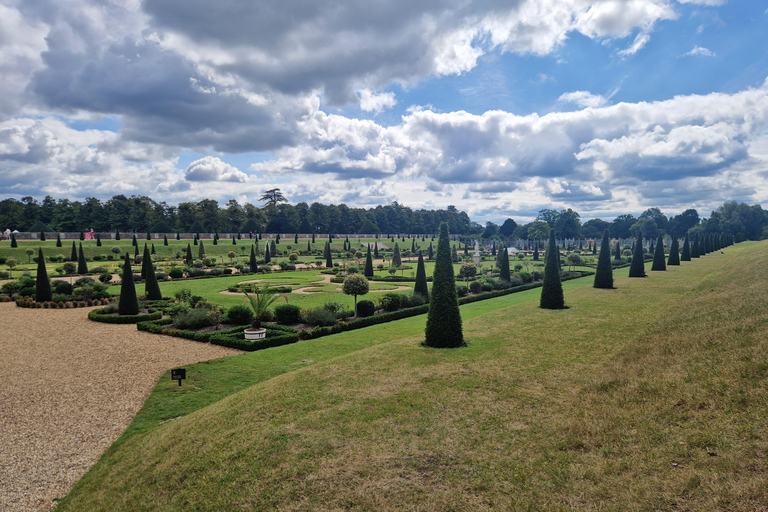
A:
(260, 302)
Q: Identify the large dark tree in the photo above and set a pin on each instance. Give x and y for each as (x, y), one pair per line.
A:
(552, 287)
(443, 328)
(637, 268)
(420, 286)
(674, 251)
(151, 286)
(82, 266)
(604, 272)
(658, 255)
(145, 260)
(368, 264)
(73, 254)
(43, 291)
(695, 248)
(129, 302)
(686, 249)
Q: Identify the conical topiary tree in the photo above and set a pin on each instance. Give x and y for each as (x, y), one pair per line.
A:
(604, 271)
(552, 287)
(189, 260)
(129, 302)
(133, 241)
(252, 260)
(637, 268)
(368, 264)
(43, 291)
(686, 256)
(165, 239)
(443, 328)
(82, 266)
(145, 260)
(396, 259)
(14, 243)
(117, 234)
(430, 252)
(200, 251)
(58, 239)
(658, 256)
(674, 251)
(267, 253)
(98, 240)
(421, 286)
(617, 251)
(73, 254)
(376, 249)
(328, 257)
(536, 251)
(151, 286)
(695, 247)
(504, 274)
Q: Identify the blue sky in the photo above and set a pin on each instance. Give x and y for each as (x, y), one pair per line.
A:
(498, 108)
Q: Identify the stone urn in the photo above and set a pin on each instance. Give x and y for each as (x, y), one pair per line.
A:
(255, 334)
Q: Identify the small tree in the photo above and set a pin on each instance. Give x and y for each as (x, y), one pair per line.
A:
(98, 240)
(420, 286)
(129, 302)
(231, 255)
(82, 266)
(695, 248)
(552, 287)
(14, 244)
(396, 260)
(260, 302)
(536, 251)
(430, 252)
(574, 260)
(165, 239)
(658, 256)
(356, 284)
(43, 291)
(145, 260)
(133, 241)
(29, 253)
(117, 235)
(504, 274)
(637, 268)
(467, 270)
(267, 255)
(443, 328)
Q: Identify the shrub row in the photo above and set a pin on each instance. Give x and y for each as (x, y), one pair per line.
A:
(274, 338)
(97, 316)
(52, 304)
(397, 279)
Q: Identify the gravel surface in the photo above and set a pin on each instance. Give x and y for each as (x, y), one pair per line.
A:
(68, 388)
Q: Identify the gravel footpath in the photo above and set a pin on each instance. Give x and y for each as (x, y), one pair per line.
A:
(68, 388)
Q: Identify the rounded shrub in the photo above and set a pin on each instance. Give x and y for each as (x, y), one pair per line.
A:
(366, 308)
(475, 287)
(390, 301)
(287, 314)
(239, 315)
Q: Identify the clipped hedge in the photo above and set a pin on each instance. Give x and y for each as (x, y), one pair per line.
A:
(273, 339)
(396, 279)
(97, 316)
(232, 338)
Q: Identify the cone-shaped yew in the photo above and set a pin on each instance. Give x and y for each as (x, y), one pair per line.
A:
(420, 286)
(552, 287)
(686, 250)
(637, 268)
(82, 266)
(658, 256)
(444, 319)
(129, 302)
(43, 291)
(604, 272)
(674, 251)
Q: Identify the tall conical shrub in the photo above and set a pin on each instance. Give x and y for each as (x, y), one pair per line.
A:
(443, 328)
(368, 264)
(82, 266)
(328, 257)
(129, 302)
(674, 251)
(200, 251)
(396, 260)
(189, 260)
(695, 247)
(98, 240)
(151, 286)
(536, 251)
(145, 260)
(134, 242)
(43, 291)
(617, 251)
(73, 254)
(117, 234)
(14, 244)
(58, 239)
(152, 249)
(267, 253)
(42, 236)
(421, 286)
(165, 239)
(686, 249)
(430, 252)
(252, 260)
(637, 268)
(604, 271)
(552, 287)
(504, 274)
(658, 256)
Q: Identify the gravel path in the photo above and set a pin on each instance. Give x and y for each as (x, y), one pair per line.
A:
(68, 388)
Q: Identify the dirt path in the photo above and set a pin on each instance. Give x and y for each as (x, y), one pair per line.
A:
(68, 388)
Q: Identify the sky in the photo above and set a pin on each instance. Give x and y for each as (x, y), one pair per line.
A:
(500, 108)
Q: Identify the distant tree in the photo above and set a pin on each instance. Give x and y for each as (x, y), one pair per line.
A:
(134, 242)
(396, 260)
(420, 286)
(267, 253)
(356, 284)
(504, 274)
(467, 270)
(430, 252)
(507, 228)
(637, 268)
(189, 259)
(273, 197)
(58, 239)
(73, 254)
(165, 239)
(674, 251)
(604, 271)
(695, 247)
(686, 249)
(376, 249)
(200, 251)
(568, 224)
(536, 251)
(328, 257)
(658, 255)
(368, 264)
(151, 286)
(443, 328)
(29, 252)
(538, 230)
(145, 260)
(552, 287)
(11, 264)
(43, 291)
(369, 228)
(252, 260)
(129, 302)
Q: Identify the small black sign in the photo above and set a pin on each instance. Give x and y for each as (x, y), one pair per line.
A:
(179, 374)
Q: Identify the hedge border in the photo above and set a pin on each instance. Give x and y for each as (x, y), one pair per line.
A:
(96, 316)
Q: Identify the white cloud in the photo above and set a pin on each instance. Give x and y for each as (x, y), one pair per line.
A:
(704, 2)
(583, 99)
(210, 168)
(699, 51)
(371, 102)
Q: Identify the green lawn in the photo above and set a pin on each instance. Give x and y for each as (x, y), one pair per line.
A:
(651, 396)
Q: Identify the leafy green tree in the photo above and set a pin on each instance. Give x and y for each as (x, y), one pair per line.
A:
(658, 255)
(467, 270)
(368, 264)
(552, 287)
(421, 286)
(674, 251)
(443, 328)
(82, 266)
(356, 284)
(637, 268)
(604, 272)
(686, 249)
(43, 291)
(129, 301)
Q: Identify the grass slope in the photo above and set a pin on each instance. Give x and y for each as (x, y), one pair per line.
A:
(650, 396)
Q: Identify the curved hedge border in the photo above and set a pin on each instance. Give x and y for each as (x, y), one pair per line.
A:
(96, 316)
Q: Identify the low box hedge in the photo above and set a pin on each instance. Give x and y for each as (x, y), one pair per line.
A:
(97, 316)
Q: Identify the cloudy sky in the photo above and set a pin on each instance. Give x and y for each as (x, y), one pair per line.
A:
(501, 108)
